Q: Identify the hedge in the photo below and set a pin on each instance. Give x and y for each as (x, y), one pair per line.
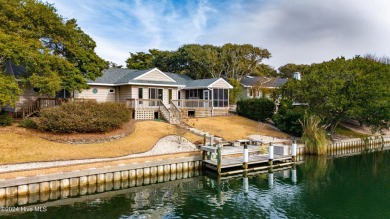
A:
(257, 109)
(83, 117)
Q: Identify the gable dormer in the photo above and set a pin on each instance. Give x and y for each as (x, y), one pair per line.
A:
(154, 75)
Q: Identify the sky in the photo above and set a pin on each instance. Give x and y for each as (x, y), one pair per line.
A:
(294, 31)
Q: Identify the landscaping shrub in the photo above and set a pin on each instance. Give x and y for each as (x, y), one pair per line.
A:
(287, 120)
(84, 117)
(256, 109)
(6, 119)
(30, 123)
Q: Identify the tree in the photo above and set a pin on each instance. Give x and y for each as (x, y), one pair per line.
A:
(287, 70)
(55, 52)
(9, 90)
(206, 61)
(342, 89)
(241, 60)
(140, 60)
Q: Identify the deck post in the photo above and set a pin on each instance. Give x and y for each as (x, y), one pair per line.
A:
(245, 156)
(211, 140)
(294, 151)
(219, 159)
(204, 140)
(270, 153)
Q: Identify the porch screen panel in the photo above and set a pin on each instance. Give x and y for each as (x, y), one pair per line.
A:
(221, 97)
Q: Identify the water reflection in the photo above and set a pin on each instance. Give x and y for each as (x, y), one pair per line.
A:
(350, 187)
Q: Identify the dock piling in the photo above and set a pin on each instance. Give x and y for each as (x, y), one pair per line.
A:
(294, 151)
(245, 156)
(270, 153)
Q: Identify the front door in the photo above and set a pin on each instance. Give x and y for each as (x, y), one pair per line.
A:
(206, 95)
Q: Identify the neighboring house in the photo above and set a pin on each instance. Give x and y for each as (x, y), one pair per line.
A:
(259, 86)
(148, 93)
(30, 94)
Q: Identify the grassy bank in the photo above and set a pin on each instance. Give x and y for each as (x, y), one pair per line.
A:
(234, 127)
(19, 145)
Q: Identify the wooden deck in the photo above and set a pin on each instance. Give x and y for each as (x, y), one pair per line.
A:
(232, 162)
(231, 157)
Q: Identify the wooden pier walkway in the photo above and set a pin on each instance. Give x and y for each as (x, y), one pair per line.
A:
(232, 162)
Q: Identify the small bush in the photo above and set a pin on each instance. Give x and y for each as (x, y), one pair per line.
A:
(30, 123)
(6, 120)
(84, 117)
(256, 109)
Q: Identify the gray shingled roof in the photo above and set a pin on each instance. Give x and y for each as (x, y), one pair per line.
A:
(276, 82)
(11, 69)
(264, 81)
(125, 76)
(201, 83)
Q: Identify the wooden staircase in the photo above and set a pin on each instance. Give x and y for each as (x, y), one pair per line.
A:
(172, 114)
(38, 105)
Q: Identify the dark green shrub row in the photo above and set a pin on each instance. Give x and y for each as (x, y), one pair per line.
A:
(83, 117)
(6, 119)
(288, 121)
(288, 117)
(256, 109)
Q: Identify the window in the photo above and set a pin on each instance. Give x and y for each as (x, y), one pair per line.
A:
(36, 89)
(155, 93)
(112, 91)
(95, 91)
(140, 93)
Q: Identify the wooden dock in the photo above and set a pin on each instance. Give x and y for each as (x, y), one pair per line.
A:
(231, 158)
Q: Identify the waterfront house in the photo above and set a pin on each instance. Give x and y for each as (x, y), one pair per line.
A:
(150, 94)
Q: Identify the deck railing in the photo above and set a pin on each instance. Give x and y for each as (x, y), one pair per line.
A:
(196, 103)
(176, 112)
(143, 103)
(41, 103)
(166, 114)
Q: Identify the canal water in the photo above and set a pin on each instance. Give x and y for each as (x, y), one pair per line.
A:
(347, 187)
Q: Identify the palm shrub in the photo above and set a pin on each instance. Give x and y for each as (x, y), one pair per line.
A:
(314, 135)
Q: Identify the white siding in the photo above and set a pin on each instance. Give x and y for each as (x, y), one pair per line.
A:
(103, 94)
(221, 84)
(155, 76)
(124, 93)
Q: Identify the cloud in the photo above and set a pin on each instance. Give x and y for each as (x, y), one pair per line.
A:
(297, 31)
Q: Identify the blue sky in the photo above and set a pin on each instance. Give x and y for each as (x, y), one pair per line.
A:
(294, 31)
